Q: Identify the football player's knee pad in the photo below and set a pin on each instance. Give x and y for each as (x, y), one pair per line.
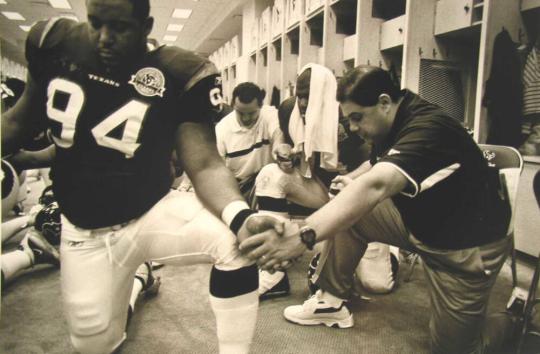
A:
(10, 187)
(96, 344)
(226, 284)
(88, 320)
(92, 330)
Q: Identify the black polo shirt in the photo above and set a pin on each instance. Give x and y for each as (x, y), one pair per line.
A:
(453, 199)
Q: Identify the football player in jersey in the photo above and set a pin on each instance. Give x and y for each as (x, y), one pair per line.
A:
(116, 109)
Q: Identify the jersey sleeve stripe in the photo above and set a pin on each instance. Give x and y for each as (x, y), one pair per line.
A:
(207, 69)
(411, 180)
(438, 176)
(47, 29)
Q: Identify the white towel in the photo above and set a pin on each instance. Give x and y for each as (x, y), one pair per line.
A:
(320, 134)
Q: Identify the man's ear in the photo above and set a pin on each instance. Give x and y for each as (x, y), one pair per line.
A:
(385, 101)
(148, 25)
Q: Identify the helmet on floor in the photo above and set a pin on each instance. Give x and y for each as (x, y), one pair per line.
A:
(49, 224)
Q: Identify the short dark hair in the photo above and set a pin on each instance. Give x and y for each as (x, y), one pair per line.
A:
(247, 92)
(364, 84)
(141, 9)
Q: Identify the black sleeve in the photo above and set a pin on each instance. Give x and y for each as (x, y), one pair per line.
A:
(426, 149)
(32, 49)
(204, 101)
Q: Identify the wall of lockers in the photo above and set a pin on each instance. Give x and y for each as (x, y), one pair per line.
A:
(441, 49)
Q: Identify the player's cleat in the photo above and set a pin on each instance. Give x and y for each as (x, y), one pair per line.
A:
(156, 265)
(39, 250)
(273, 285)
(318, 311)
(150, 283)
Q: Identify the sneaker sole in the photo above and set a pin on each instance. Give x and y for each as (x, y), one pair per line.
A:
(273, 295)
(346, 323)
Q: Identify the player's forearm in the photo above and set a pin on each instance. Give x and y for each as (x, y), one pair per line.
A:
(215, 186)
(343, 211)
(26, 160)
(11, 136)
(308, 193)
(356, 200)
(363, 168)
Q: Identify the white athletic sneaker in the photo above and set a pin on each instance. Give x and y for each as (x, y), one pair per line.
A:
(316, 311)
(273, 285)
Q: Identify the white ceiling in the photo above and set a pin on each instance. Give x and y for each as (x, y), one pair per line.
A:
(211, 23)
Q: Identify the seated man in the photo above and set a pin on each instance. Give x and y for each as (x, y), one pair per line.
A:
(429, 190)
(245, 140)
(247, 136)
(311, 122)
(275, 186)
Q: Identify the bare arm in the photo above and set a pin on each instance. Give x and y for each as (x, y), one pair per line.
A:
(360, 170)
(342, 212)
(277, 139)
(357, 199)
(22, 121)
(213, 181)
(308, 192)
(27, 160)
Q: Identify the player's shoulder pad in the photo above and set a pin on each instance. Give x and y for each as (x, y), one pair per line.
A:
(184, 65)
(49, 33)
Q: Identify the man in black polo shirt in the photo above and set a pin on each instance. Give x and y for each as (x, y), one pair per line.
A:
(427, 189)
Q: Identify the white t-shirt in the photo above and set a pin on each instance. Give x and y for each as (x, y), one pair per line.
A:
(247, 150)
(271, 182)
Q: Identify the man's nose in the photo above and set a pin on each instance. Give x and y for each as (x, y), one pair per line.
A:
(106, 36)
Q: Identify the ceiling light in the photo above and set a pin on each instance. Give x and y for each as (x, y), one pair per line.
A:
(13, 15)
(25, 28)
(181, 13)
(174, 27)
(60, 4)
(70, 16)
(170, 38)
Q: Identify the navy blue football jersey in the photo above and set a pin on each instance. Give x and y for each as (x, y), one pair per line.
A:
(114, 131)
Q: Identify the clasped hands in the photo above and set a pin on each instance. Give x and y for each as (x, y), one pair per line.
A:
(273, 243)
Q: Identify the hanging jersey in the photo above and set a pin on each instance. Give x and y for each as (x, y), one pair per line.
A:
(114, 131)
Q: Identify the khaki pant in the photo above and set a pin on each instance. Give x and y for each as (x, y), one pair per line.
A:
(459, 281)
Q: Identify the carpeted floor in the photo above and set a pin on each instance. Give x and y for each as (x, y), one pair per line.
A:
(179, 319)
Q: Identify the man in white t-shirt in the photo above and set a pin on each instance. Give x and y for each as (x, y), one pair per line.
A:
(246, 138)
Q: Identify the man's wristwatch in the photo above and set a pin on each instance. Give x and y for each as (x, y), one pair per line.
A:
(308, 236)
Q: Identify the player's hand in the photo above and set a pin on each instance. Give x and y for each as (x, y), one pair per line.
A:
(282, 150)
(274, 253)
(338, 183)
(260, 224)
